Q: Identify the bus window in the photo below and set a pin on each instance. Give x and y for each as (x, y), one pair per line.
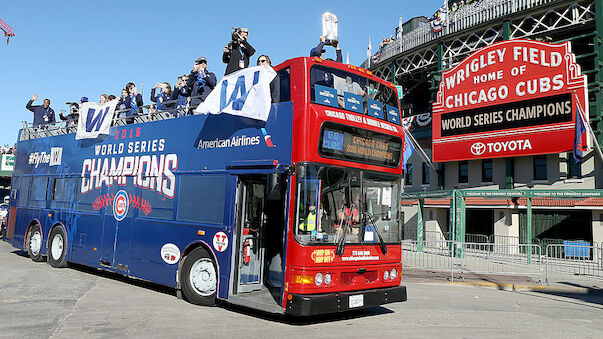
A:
(23, 190)
(280, 87)
(380, 193)
(340, 208)
(202, 198)
(352, 92)
(63, 192)
(163, 207)
(84, 201)
(37, 195)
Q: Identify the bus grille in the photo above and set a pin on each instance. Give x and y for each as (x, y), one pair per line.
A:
(355, 278)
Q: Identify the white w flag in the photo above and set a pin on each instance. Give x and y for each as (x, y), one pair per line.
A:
(95, 119)
(244, 93)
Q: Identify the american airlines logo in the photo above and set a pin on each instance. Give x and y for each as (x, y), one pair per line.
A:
(480, 148)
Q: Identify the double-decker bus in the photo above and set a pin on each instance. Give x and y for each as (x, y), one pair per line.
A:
(298, 214)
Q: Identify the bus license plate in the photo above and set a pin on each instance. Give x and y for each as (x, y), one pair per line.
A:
(356, 301)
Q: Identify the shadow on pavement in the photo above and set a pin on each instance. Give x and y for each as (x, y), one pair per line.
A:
(304, 321)
(593, 296)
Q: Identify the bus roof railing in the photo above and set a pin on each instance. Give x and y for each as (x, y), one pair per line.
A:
(146, 113)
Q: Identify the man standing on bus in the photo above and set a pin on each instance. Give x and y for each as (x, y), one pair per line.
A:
(42, 114)
(237, 52)
(319, 50)
(200, 82)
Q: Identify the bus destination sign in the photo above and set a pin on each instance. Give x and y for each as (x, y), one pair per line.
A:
(355, 144)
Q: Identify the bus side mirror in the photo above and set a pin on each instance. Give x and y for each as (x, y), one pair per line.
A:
(273, 187)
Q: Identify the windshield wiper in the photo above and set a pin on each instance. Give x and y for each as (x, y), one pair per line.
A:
(346, 223)
(381, 242)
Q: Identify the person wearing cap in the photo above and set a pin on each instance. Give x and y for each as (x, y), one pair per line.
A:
(200, 82)
(163, 92)
(237, 53)
(43, 114)
(319, 50)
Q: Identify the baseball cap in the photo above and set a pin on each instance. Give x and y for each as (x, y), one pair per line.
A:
(84, 99)
(201, 59)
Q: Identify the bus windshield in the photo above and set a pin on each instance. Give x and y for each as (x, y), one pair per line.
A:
(334, 202)
(352, 92)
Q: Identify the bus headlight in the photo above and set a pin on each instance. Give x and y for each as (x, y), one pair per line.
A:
(386, 275)
(318, 279)
(393, 274)
(327, 278)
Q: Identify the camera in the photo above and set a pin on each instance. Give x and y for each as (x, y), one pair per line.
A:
(236, 34)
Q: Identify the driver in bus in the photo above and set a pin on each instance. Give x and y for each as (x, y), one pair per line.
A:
(349, 86)
(310, 222)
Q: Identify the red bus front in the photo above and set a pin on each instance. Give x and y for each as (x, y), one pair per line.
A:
(343, 240)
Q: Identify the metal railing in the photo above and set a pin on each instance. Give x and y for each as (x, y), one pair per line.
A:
(574, 259)
(467, 16)
(463, 258)
(122, 117)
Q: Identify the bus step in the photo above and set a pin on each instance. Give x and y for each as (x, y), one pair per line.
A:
(105, 263)
(122, 267)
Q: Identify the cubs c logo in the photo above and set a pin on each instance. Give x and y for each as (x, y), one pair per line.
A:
(478, 148)
(120, 205)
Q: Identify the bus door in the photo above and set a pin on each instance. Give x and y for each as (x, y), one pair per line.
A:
(251, 221)
(117, 230)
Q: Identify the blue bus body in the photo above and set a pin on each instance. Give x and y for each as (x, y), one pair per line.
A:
(179, 176)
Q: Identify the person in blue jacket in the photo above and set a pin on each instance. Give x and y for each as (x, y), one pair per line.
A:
(133, 102)
(42, 114)
(319, 50)
(200, 82)
(162, 92)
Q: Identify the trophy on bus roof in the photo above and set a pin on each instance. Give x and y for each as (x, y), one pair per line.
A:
(329, 28)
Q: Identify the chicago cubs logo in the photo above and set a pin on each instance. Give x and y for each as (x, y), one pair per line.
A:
(478, 148)
(120, 205)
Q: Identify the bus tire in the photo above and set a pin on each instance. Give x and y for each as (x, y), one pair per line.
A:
(57, 247)
(199, 278)
(34, 243)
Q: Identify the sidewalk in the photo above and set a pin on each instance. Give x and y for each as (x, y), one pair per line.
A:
(558, 283)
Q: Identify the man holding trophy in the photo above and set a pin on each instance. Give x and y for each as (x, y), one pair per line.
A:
(329, 37)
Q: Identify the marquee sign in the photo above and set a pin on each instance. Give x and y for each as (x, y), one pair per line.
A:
(512, 98)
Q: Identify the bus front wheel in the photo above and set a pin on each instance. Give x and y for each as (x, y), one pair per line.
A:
(57, 248)
(34, 243)
(199, 278)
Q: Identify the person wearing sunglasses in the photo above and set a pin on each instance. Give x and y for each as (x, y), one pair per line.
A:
(264, 60)
(200, 82)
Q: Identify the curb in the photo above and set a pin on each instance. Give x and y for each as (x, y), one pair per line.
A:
(526, 288)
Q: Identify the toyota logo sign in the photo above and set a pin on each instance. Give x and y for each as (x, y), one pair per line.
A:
(478, 148)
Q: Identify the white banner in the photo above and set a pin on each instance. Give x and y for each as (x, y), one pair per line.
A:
(244, 93)
(95, 119)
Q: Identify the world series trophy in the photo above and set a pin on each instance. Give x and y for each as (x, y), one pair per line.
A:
(329, 28)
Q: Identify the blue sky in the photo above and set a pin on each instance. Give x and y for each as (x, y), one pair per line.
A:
(64, 50)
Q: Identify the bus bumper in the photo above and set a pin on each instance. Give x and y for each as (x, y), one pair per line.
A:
(313, 304)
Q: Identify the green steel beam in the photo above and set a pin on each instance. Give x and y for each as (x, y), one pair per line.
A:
(506, 29)
(516, 193)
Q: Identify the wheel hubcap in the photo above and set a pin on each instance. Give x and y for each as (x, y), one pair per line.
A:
(35, 243)
(203, 277)
(57, 247)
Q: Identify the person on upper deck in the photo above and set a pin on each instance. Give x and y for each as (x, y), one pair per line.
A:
(200, 82)
(238, 51)
(319, 50)
(43, 114)
(163, 92)
(133, 101)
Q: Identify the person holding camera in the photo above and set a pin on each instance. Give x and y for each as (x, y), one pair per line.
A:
(238, 51)
(163, 92)
(319, 50)
(200, 82)
(133, 102)
(43, 114)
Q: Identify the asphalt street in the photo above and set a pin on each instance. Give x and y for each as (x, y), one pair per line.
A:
(37, 300)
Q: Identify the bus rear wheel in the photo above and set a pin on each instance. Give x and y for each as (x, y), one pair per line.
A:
(57, 248)
(199, 278)
(34, 243)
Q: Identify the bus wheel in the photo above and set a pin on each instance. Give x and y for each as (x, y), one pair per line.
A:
(57, 248)
(34, 243)
(199, 278)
